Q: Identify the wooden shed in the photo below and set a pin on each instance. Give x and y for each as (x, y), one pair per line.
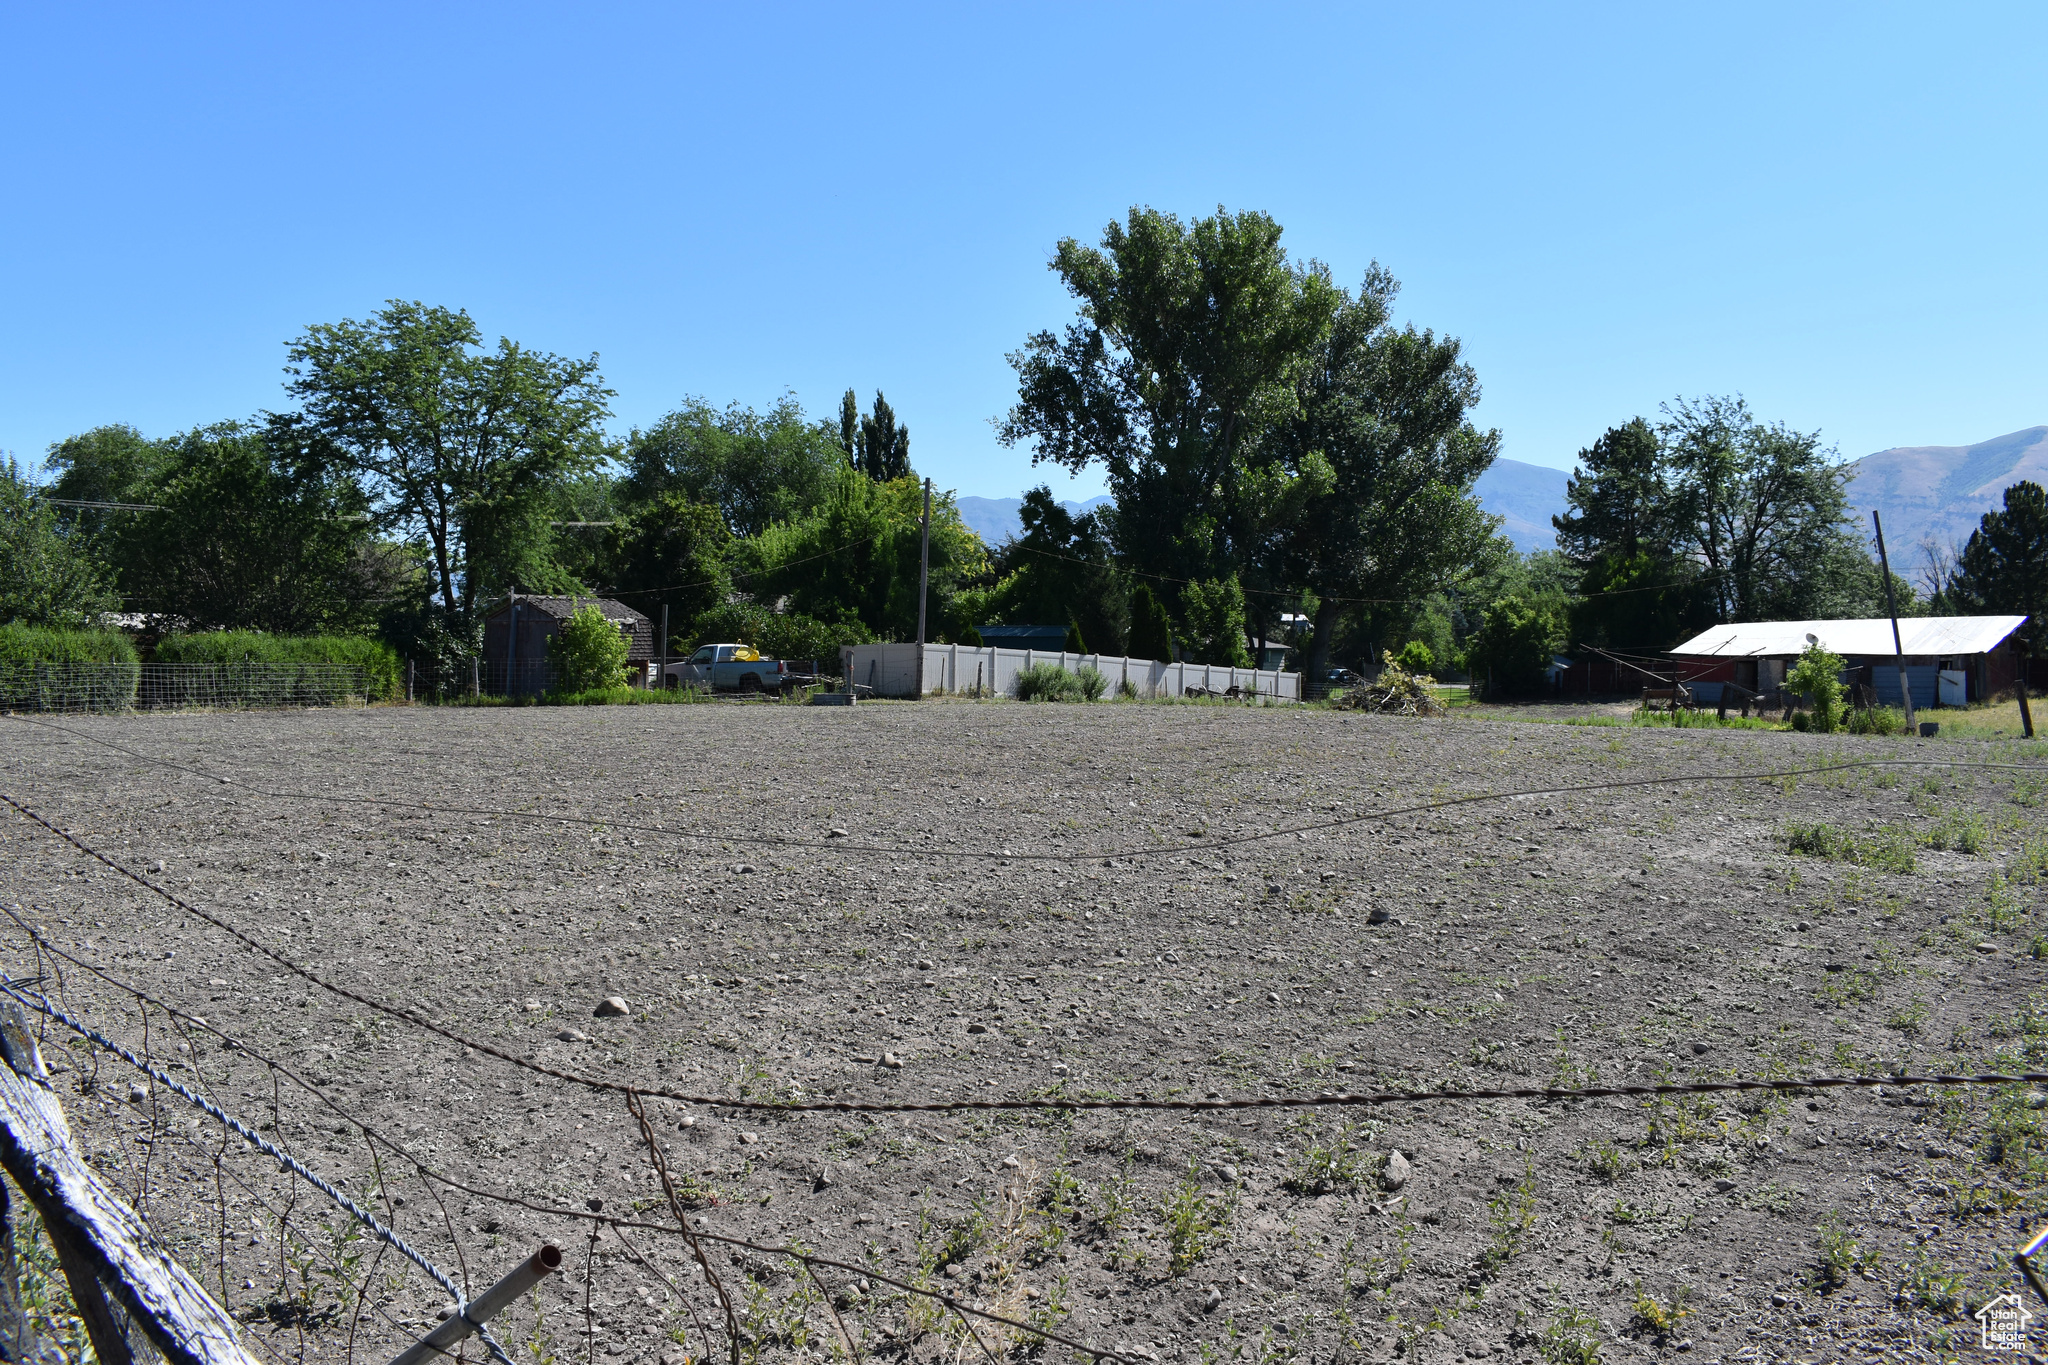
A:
(1950, 660)
(517, 631)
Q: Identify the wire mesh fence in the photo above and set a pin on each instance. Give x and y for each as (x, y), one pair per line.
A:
(70, 688)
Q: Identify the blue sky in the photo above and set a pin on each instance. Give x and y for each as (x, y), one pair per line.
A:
(1835, 210)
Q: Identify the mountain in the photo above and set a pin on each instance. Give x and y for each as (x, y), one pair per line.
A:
(996, 520)
(1939, 492)
(1527, 495)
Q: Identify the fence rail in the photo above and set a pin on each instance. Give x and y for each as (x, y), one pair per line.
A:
(81, 687)
(986, 670)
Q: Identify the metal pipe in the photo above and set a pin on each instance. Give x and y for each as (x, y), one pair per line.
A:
(483, 1307)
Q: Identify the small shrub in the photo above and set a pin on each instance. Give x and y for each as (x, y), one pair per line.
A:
(1048, 682)
(1878, 720)
(1818, 677)
(1193, 1221)
(1571, 1338)
(1127, 690)
(1801, 722)
(1928, 1285)
(1887, 849)
(1417, 657)
(587, 653)
(1657, 1317)
(1091, 682)
(1840, 1255)
(1328, 1165)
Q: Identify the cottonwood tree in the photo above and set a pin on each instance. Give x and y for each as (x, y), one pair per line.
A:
(259, 530)
(1384, 455)
(1188, 350)
(756, 468)
(458, 445)
(1756, 505)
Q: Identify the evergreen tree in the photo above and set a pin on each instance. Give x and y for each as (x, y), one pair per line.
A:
(1151, 633)
(849, 426)
(884, 443)
(1074, 644)
(2003, 570)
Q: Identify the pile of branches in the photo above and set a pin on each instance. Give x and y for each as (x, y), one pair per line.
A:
(1395, 692)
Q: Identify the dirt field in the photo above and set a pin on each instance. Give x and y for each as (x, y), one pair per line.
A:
(959, 899)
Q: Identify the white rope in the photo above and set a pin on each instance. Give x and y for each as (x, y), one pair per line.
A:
(284, 1159)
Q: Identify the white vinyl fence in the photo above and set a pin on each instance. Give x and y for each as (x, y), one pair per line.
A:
(891, 670)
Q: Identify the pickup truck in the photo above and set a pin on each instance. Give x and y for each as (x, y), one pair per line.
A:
(730, 668)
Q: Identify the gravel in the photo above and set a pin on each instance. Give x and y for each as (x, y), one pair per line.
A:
(954, 900)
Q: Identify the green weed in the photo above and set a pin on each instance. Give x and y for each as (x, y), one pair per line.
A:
(1192, 1220)
(1888, 850)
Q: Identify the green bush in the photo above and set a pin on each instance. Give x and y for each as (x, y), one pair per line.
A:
(1818, 677)
(37, 673)
(1511, 650)
(1877, 720)
(49, 645)
(1091, 682)
(1048, 682)
(378, 661)
(587, 653)
(778, 635)
(1416, 657)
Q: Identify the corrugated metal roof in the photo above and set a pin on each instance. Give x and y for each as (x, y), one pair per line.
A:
(1919, 634)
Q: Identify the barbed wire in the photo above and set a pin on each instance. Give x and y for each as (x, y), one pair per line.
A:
(812, 1261)
(1049, 1101)
(285, 1160)
(1206, 844)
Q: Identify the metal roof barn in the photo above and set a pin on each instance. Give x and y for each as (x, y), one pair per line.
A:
(1938, 635)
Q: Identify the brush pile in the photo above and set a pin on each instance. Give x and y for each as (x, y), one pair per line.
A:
(1395, 692)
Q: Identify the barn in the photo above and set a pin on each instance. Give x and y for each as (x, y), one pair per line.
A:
(1950, 660)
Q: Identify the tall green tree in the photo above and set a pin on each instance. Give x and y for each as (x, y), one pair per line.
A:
(260, 529)
(1385, 455)
(114, 463)
(458, 445)
(1151, 628)
(1059, 570)
(671, 552)
(884, 442)
(756, 468)
(1636, 589)
(48, 575)
(849, 427)
(1189, 347)
(1755, 505)
(2003, 569)
(855, 559)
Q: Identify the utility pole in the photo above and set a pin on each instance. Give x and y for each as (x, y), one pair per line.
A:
(511, 641)
(661, 678)
(1891, 604)
(924, 579)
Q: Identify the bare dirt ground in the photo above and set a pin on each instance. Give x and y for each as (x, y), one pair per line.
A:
(1018, 934)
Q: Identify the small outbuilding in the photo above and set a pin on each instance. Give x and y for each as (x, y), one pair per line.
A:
(517, 631)
(1950, 660)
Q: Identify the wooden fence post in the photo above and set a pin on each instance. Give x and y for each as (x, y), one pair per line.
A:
(100, 1240)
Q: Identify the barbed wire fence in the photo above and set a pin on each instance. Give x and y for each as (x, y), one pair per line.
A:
(324, 1252)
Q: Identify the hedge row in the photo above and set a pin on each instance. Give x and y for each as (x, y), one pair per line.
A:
(21, 644)
(378, 661)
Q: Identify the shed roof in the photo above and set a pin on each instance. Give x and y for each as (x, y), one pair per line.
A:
(563, 607)
(1873, 635)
